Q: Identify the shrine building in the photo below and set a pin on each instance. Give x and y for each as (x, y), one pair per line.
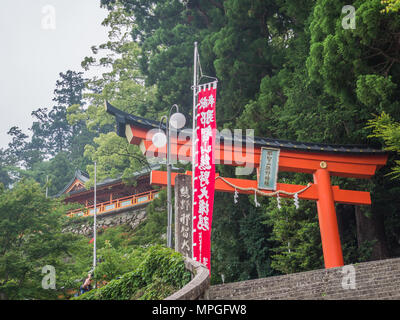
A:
(112, 195)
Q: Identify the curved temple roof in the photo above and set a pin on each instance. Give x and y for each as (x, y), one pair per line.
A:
(124, 118)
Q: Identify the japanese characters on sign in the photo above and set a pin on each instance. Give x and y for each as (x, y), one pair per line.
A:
(268, 174)
(204, 177)
(183, 215)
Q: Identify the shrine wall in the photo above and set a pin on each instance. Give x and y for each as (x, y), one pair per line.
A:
(124, 216)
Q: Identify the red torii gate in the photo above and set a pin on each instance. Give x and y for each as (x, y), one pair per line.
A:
(320, 160)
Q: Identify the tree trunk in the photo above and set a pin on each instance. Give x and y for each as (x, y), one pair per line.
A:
(339, 218)
(371, 229)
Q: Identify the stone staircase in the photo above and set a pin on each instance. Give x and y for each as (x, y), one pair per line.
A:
(376, 280)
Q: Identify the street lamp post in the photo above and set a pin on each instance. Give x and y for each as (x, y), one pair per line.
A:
(177, 121)
(95, 218)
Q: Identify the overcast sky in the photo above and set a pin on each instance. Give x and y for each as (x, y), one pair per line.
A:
(38, 40)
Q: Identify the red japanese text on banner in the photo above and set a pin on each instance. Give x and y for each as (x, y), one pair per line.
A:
(204, 181)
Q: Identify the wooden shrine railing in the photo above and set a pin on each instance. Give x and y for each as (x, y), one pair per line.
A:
(125, 202)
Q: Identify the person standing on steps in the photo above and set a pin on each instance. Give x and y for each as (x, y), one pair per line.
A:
(86, 285)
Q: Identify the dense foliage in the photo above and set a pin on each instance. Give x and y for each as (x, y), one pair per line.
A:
(30, 239)
(157, 273)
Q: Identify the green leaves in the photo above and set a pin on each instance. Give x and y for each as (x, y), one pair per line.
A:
(391, 6)
(376, 92)
(385, 128)
(156, 273)
(114, 157)
(295, 233)
(30, 238)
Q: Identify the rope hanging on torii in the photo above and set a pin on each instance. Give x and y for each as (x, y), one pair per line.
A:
(270, 194)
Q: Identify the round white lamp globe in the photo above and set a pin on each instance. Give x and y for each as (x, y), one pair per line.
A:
(159, 139)
(177, 120)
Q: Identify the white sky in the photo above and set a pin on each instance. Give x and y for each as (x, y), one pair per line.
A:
(31, 56)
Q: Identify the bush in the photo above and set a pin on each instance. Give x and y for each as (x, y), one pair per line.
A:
(160, 273)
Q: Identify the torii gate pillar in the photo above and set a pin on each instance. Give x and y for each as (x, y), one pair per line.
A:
(329, 230)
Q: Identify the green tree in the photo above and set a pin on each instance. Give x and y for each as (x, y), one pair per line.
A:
(114, 157)
(359, 70)
(51, 131)
(114, 262)
(123, 84)
(385, 128)
(332, 81)
(153, 230)
(296, 233)
(54, 173)
(52, 139)
(21, 152)
(391, 6)
(69, 89)
(31, 238)
(5, 176)
(240, 245)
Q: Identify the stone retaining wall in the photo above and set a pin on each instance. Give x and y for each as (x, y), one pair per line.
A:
(128, 216)
(376, 280)
(197, 289)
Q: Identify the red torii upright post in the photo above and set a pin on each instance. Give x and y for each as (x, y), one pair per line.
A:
(320, 160)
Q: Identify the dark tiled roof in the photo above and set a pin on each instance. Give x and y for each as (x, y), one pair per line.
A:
(80, 175)
(84, 177)
(124, 118)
